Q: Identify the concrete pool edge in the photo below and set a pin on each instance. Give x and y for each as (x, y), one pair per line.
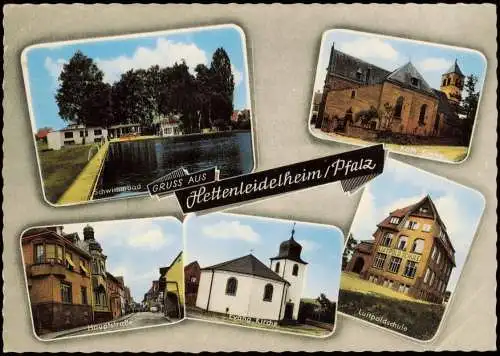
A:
(83, 186)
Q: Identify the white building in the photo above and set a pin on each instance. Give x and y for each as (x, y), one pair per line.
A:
(116, 131)
(245, 287)
(168, 125)
(75, 135)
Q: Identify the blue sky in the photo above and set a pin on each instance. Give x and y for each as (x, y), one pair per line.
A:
(389, 53)
(116, 56)
(219, 237)
(137, 248)
(460, 208)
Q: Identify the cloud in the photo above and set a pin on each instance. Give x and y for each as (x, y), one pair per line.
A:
(151, 239)
(370, 48)
(308, 245)
(54, 68)
(237, 75)
(231, 230)
(434, 64)
(165, 53)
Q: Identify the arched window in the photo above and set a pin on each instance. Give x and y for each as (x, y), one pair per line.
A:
(295, 270)
(277, 267)
(444, 82)
(403, 240)
(421, 118)
(399, 107)
(231, 286)
(418, 246)
(268, 293)
(448, 82)
(353, 94)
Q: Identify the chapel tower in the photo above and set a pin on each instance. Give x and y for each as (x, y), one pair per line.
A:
(290, 266)
(452, 84)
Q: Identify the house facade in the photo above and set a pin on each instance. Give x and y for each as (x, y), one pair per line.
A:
(116, 295)
(75, 135)
(192, 274)
(245, 287)
(100, 295)
(171, 285)
(59, 279)
(411, 252)
(358, 95)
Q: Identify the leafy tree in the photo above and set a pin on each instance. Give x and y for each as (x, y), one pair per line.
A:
(222, 86)
(132, 99)
(97, 106)
(327, 308)
(469, 104)
(365, 116)
(348, 250)
(79, 79)
(387, 116)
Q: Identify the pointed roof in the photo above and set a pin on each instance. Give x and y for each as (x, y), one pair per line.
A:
(454, 69)
(290, 249)
(403, 76)
(249, 265)
(411, 209)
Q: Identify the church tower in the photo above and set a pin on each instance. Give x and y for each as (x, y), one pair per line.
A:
(452, 84)
(290, 266)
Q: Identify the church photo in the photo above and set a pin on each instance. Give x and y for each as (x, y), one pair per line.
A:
(419, 99)
(280, 275)
(406, 249)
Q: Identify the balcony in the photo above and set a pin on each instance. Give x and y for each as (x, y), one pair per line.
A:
(47, 269)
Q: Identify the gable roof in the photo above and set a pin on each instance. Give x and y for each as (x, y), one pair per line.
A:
(403, 76)
(403, 213)
(347, 66)
(249, 265)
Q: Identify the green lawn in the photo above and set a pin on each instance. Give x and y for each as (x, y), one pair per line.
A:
(352, 282)
(60, 168)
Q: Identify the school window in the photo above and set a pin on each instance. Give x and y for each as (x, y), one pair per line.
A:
(83, 292)
(412, 225)
(66, 295)
(421, 118)
(39, 254)
(353, 94)
(403, 240)
(50, 251)
(268, 293)
(411, 269)
(427, 275)
(379, 260)
(68, 134)
(438, 257)
(434, 253)
(277, 268)
(387, 240)
(395, 220)
(418, 246)
(295, 270)
(426, 228)
(231, 286)
(394, 264)
(433, 275)
(398, 108)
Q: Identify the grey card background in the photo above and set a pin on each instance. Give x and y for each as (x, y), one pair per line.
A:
(283, 44)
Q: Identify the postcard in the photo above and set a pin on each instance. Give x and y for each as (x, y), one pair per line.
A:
(254, 272)
(102, 277)
(406, 250)
(418, 98)
(111, 115)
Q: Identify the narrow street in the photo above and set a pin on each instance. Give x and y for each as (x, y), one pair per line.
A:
(133, 321)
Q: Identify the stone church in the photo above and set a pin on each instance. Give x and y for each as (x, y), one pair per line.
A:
(358, 95)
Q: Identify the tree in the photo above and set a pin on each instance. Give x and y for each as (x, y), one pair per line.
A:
(469, 104)
(79, 79)
(387, 116)
(348, 250)
(97, 106)
(365, 116)
(133, 101)
(222, 86)
(327, 309)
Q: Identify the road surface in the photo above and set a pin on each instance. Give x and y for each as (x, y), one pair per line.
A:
(132, 321)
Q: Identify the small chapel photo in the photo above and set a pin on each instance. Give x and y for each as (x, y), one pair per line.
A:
(266, 273)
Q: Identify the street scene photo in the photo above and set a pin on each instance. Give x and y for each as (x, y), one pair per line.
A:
(107, 276)
(279, 275)
(111, 115)
(418, 98)
(406, 250)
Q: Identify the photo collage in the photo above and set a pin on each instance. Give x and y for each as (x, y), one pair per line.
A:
(169, 114)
